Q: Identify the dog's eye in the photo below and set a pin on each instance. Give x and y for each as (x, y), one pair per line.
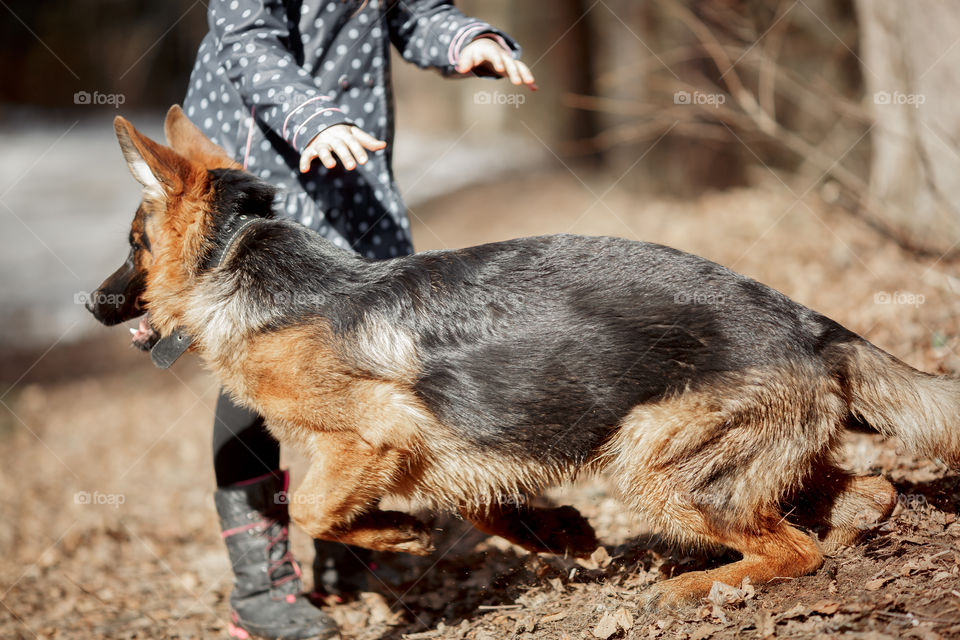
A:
(143, 242)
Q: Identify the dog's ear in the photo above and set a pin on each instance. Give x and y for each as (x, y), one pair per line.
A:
(185, 138)
(159, 169)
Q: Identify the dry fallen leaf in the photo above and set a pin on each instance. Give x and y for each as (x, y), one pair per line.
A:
(526, 623)
(380, 612)
(606, 627)
(799, 611)
(599, 559)
(624, 619)
(553, 617)
(609, 590)
(826, 607)
(875, 584)
(663, 625)
(704, 632)
(766, 627)
(722, 594)
(712, 612)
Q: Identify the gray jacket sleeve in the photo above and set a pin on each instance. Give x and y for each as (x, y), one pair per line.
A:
(432, 33)
(252, 48)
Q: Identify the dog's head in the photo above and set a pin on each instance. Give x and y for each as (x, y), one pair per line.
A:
(170, 227)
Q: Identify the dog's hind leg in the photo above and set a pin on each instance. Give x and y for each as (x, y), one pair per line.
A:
(865, 502)
(842, 506)
(711, 468)
(559, 530)
(773, 550)
(338, 498)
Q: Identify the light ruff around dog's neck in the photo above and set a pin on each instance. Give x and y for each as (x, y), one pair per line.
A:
(169, 349)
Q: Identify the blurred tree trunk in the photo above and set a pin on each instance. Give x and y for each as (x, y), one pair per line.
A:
(556, 41)
(563, 64)
(912, 73)
(640, 152)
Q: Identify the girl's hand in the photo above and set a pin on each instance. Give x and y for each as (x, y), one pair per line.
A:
(486, 52)
(346, 141)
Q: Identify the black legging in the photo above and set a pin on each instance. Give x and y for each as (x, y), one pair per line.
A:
(244, 449)
(242, 446)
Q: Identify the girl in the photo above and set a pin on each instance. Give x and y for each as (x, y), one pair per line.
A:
(280, 84)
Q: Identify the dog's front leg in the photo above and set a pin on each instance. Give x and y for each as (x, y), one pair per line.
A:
(338, 498)
(558, 530)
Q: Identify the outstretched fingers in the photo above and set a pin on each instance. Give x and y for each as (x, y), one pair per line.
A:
(343, 142)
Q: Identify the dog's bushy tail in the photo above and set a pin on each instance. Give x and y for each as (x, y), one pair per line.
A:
(921, 409)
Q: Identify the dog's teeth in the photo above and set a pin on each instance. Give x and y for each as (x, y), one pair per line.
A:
(132, 331)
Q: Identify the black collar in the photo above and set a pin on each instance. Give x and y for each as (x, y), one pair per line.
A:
(227, 235)
(168, 350)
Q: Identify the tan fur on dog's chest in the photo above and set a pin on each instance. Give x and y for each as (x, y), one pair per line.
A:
(301, 384)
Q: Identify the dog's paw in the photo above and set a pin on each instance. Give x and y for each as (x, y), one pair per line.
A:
(412, 539)
(391, 531)
(572, 534)
(558, 530)
(649, 601)
(657, 599)
(674, 593)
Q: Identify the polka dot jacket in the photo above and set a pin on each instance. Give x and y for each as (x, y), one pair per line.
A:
(272, 74)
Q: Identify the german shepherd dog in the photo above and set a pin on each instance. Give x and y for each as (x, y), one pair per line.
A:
(471, 379)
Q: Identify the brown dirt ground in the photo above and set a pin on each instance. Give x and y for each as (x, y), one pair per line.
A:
(97, 418)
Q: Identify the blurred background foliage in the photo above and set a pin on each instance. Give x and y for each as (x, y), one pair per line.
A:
(773, 85)
(607, 71)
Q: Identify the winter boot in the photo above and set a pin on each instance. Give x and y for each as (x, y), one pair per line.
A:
(267, 601)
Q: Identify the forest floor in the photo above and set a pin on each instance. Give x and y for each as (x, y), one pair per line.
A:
(107, 526)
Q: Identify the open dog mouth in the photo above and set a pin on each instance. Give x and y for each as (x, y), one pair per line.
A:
(144, 336)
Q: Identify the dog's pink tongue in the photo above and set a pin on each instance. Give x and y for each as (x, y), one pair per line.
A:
(142, 331)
